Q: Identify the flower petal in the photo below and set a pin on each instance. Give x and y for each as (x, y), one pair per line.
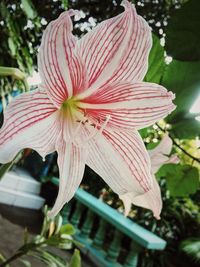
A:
(164, 147)
(117, 49)
(60, 67)
(159, 155)
(149, 200)
(130, 105)
(71, 162)
(121, 159)
(27, 120)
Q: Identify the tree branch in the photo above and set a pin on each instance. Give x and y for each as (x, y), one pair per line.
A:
(177, 145)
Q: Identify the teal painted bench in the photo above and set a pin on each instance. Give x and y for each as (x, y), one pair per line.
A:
(110, 239)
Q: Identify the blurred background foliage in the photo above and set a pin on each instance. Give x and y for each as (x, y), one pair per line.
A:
(53, 234)
(175, 63)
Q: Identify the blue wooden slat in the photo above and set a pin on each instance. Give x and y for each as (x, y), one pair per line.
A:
(136, 232)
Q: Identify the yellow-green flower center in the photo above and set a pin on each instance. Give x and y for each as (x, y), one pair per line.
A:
(70, 105)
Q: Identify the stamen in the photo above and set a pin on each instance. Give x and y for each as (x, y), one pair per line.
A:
(98, 129)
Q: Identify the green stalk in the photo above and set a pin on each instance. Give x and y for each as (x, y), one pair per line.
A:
(6, 167)
(24, 250)
(16, 74)
(177, 145)
(13, 258)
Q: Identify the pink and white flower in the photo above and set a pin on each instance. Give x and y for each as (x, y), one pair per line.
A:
(90, 105)
(158, 156)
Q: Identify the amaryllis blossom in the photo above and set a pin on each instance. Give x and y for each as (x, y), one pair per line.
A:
(90, 105)
(158, 156)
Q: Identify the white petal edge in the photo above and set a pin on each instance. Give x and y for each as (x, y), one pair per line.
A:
(71, 162)
(123, 163)
(150, 200)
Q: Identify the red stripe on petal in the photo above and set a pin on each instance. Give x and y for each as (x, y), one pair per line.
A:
(129, 105)
(23, 118)
(59, 64)
(126, 61)
(71, 162)
(122, 161)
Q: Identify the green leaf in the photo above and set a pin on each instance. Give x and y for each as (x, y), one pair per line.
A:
(6, 167)
(29, 9)
(25, 263)
(184, 80)
(2, 259)
(12, 46)
(53, 241)
(65, 4)
(186, 128)
(76, 259)
(182, 35)
(144, 132)
(67, 229)
(64, 241)
(51, 259)
(156, 62)
(182, 180)
(191, 247)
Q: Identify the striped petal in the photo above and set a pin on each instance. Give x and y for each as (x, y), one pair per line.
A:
(60, 67)
(121, 159)
(27, 120)
(150, 200)
(71, 162)
(130, 105)
(116, 50)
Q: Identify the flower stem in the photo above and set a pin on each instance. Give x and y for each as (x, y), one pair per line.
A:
(6, 167)
(16, 74)
(177, 145)
(13, 258)
(24, 250)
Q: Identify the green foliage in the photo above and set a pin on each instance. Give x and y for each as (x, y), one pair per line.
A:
(67, 229)
(28, 8)
(156, 62)
(65, 4)
(53, 234)
(49, 258)
(25, 263)
(179, 183)
(76, 259)
(183, 37)
(182, 77)
(17, 34)
(6, 167)
(182, 180)
(186, 128)
(191, 247)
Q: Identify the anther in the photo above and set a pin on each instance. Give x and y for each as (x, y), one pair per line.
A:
(97, 129)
